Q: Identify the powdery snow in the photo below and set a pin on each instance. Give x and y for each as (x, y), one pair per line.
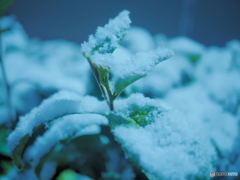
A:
(169, 148)
(107, 38)
(66, 127)
(60, 104)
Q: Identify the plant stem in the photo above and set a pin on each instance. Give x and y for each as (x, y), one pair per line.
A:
(105, 89)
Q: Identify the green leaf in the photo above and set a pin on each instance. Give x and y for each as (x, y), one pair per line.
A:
(4, 30)
(103, 75)
(63, 151)
(3, 143)
(121, 84)
(194, 58)
(40, 117)
(18, 151)
(4, 5)
(41, 163)
(68, 174)
(116, 120)
(134, 116)
(57, 136)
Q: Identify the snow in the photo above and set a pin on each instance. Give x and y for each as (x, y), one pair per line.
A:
(48, 171)
(136, 99)
(106, 38)
(25, 96)
(186, 45)
(141, 63)
(181, 149)
(48, 65)
(138, 40)
(60, 104)
(16, 37)
(209, 117)
(45, 75)
(164, 77)
(176, 144)
(64, 128)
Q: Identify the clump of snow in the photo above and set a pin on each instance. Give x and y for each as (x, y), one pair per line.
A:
(46, 75)
(209, 117)
(60, 104)
(186, 45)
(142, 62)
(163, 78)
(3, 115)
(136, 99)
(169, 148)
(14, 38)
(138, 40)
(212, 61)
(106, 38)
(66, 127)
(98, 50)
(27, 94)
(48, 65)
(48, 171)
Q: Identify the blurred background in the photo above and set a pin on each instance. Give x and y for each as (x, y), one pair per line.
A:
(210, 22)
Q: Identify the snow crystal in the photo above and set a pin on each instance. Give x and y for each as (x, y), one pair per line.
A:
(59, 104)
(64, 128)
(169, 148)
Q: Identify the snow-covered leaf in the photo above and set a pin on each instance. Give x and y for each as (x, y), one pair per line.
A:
(59, 105)
(106, 38)
(66, 128)
(167, 148)
(133, 116)
(121, 84)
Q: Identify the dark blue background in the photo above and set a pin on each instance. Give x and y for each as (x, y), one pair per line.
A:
(211, 22)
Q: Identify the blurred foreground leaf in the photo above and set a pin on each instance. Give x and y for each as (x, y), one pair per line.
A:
(4, 5)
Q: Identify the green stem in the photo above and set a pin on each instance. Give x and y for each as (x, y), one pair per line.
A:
(105, 88)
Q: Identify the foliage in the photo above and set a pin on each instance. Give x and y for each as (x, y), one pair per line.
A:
(66, 134)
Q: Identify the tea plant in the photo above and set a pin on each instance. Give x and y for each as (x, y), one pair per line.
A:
(159, 141)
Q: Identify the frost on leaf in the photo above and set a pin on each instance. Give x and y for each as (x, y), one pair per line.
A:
(60, 104)
(166, 148)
